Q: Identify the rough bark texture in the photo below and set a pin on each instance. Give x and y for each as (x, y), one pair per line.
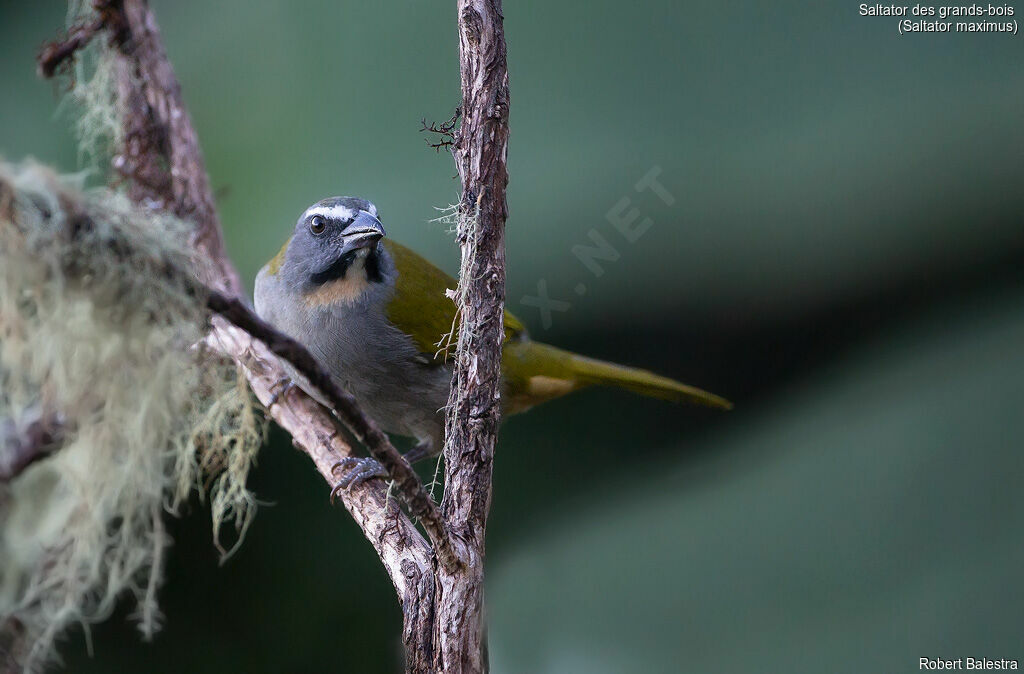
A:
(474, 408)
(402, 550)
(407, 481)
(160, 154)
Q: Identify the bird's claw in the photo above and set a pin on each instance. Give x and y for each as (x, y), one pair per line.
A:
(279, 389)
(355, 470)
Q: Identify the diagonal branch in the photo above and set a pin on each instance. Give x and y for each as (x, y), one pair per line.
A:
(344, 405)
(161, 161)
(160, 155)
(403, 551)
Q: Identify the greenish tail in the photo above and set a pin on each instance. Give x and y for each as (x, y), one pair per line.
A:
(601, 373)
(530, 359)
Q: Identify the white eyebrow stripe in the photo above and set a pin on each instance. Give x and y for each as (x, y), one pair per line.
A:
(330, 212)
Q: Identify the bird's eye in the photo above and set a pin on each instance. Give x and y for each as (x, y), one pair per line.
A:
(317, 225)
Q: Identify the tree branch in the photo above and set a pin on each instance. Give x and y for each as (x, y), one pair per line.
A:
(344, 405)
(442, 596)
(161, 154)
(56, 54)
(403, 551)
(164, 168)
(474, 407)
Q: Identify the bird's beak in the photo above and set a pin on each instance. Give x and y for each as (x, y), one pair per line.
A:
(365, 231)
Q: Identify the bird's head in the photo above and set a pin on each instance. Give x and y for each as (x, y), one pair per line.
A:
(334, 252)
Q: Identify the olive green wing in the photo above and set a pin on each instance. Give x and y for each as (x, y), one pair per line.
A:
(420, 308)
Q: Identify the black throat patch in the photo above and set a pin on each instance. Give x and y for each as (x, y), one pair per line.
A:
(339, 268)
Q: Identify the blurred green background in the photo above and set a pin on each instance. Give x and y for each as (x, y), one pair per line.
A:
(843, 258)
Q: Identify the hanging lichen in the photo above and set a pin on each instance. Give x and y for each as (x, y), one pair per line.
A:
(101, 328)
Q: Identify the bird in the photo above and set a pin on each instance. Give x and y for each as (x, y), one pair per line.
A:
(375, 314)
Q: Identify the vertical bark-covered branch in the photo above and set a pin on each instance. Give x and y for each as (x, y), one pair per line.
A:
(474, 408)
(160, 155)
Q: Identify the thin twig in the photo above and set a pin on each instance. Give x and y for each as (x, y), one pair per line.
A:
(55, 54)
(446, 130)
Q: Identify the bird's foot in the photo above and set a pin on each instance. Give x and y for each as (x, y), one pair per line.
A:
(279, 389)
(355, 470)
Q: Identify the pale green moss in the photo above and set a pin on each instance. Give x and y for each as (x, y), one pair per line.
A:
(92, 94)
(99, 324)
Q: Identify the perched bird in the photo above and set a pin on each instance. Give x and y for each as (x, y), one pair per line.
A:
(375, 315)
